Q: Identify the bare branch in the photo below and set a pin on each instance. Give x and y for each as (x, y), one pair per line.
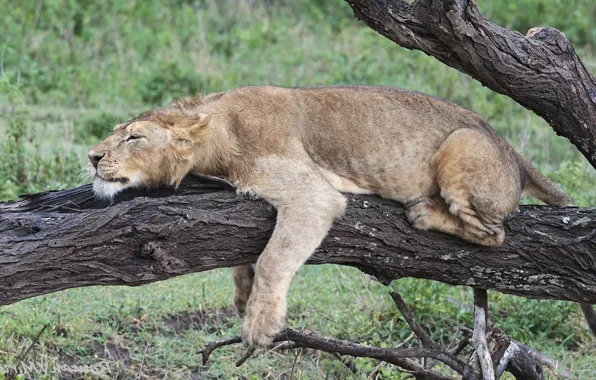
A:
(516, 345)
(427, 342)
(398, 357)
(479, 336)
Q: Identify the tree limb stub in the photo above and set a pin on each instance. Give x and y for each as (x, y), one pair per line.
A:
(67, 239)
(542, 72)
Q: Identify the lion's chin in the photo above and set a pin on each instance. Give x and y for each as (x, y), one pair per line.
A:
(107, 189)
(104, 189)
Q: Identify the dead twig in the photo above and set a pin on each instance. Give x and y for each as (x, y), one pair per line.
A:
(246, 355)
(376, 371)
(522, 366)
(441, 354)
(24, 353)
(147, 344)
(284, 346)
(541, 358)
(509, 353)
(396, 356)
(546, 361)
(459, 347)
(210, 347)
(479, 336)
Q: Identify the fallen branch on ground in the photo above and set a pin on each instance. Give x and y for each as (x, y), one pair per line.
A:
(514, 360)
(538, 356)
(398, 357)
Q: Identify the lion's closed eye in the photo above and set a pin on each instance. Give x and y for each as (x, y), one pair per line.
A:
(135, 137)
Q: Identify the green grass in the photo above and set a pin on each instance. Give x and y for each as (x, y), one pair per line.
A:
(70, 73)
(177, 317)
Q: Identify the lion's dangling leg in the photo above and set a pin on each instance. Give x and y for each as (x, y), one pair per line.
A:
(306, 206)
(243, 276)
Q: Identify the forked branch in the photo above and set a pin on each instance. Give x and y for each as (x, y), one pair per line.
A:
(513, 359)
(398, 357)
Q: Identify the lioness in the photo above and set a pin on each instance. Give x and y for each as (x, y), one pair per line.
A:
(300, 148)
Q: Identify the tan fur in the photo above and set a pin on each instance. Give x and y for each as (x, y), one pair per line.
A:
(300, 148)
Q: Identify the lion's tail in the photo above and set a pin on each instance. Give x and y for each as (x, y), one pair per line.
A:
(539, 186)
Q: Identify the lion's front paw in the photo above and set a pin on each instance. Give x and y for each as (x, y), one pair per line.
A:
(262, 323)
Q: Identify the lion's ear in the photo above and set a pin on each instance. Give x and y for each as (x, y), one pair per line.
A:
(191, 132)
(197, 131)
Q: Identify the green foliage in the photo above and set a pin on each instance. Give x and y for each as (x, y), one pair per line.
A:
(14, 167)
(574, 18)
(578, 179)
(20, 170)
(170, 79)
(93, 126)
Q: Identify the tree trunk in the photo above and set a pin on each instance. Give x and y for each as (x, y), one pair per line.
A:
(541, 72)
(66, 239)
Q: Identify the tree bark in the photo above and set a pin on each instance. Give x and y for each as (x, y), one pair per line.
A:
(542, 72)
(67, 239)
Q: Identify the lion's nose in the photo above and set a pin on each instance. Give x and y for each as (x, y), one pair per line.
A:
(95, 158)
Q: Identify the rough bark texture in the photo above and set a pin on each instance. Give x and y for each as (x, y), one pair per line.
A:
(542, 73)
(67, 239)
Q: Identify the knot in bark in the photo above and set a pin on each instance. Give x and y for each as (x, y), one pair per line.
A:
(167, 262)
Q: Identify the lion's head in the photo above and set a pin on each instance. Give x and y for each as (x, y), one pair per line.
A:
(156, 148)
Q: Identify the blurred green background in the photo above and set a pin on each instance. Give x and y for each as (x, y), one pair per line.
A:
(71, 69)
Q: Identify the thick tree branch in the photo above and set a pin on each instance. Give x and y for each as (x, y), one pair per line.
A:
(542, 72)
(67, 239)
